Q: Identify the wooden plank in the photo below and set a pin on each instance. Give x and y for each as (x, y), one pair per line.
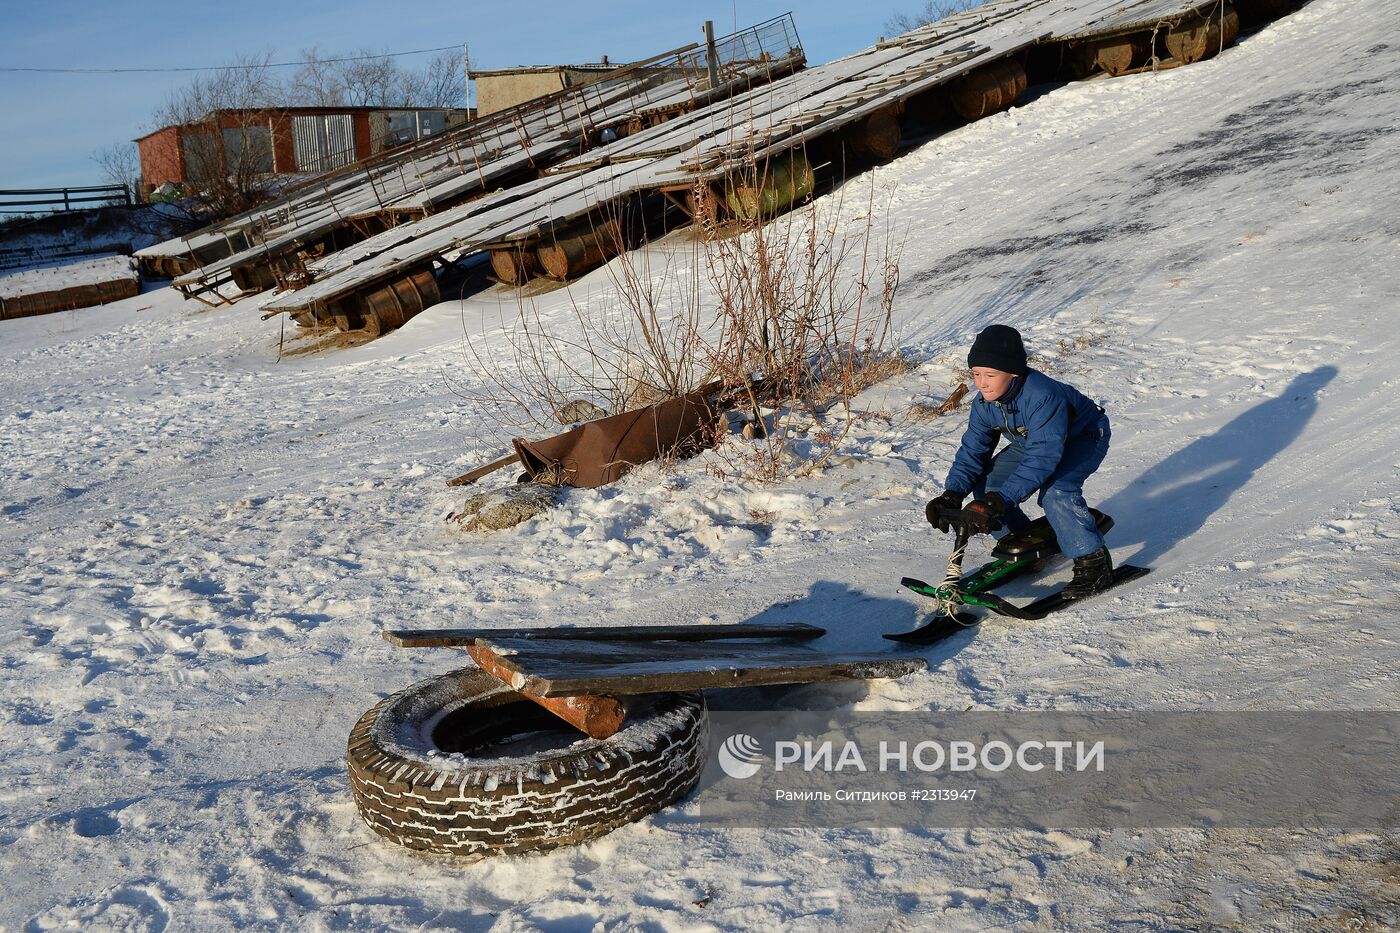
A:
(465, 637)
(472, 476)
(953, 400)
(555, 668)
(598, 716)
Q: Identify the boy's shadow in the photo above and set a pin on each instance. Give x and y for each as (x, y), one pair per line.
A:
(853, 620)
(1173, 499)
(848, 614)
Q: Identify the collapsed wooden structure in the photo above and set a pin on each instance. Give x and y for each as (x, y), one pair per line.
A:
(269, 246)
(92, 279)
(758, 152)
(557, 187)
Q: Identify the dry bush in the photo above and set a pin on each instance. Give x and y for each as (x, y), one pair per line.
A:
(792, 313)
(804, 304)
(617, 351)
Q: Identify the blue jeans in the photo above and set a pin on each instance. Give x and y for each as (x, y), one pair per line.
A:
(1062, 496)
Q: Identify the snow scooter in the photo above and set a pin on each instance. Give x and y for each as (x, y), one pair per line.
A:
(1015, 555)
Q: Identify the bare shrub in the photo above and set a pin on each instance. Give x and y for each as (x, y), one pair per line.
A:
(804, 309)
(634, 345)
(120, 165)
(226, 140)
(791, 314)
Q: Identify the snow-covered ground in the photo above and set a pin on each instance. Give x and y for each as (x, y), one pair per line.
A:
(200, 542)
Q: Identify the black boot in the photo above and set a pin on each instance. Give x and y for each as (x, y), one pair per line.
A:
(1092, 574)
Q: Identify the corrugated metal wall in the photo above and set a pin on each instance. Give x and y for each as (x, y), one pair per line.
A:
(201, 154)
(248, 149)
(323, 142)
(340, 134)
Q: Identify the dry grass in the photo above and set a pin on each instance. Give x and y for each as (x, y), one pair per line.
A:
(303, 341)
(871, 369)
(927, 411)
(1066, 356)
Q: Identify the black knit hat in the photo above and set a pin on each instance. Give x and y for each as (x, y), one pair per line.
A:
(999, 347)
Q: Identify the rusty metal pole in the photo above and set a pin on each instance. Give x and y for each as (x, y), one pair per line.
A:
(710, 53)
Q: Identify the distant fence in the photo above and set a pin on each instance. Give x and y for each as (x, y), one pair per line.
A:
(61, 199)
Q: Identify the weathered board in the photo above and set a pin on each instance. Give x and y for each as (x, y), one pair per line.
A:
(557, 667)
(465, 637)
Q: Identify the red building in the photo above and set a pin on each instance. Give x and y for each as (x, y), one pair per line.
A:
(285, 141)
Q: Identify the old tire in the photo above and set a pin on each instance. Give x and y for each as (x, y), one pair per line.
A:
(462, 765)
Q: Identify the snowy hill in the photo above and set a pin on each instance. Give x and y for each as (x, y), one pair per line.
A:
(201, 541)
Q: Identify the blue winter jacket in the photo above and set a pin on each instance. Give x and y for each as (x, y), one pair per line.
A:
(1037, 412)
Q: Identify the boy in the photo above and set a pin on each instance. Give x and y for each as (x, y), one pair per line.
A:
(1058, 438)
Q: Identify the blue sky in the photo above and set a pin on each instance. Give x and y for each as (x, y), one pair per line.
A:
(55, 122)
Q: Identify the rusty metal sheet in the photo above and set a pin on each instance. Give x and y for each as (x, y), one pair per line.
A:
(602, 451)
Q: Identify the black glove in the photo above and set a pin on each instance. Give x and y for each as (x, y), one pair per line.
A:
(944, 511)
(983, 516)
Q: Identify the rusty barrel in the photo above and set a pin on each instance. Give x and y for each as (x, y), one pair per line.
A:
(180, 265)
(514, 265)
(779, 183)
(348, 319)
(577, 249)
(220, 249)
(67, 299)
(987, 90)
(392, 305)
(1202, 34)
(877, 136)
(165, 267)
(254, 278)
(1113, 55)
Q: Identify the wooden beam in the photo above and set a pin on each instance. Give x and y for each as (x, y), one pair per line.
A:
(598, 716)
(953, 400)
(465, 637)
(472, 476)
(557, 668)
